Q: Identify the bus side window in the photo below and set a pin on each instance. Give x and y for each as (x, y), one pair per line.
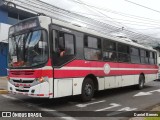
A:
(151, 58)
(63, 47)
(92, 48)
(123, 53)
(109, 50)
(69, 44)
(155, 58)
(135, 56)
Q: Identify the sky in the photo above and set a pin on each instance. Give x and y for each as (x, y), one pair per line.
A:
(125, 13)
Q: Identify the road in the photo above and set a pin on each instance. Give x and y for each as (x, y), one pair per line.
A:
(114, 101)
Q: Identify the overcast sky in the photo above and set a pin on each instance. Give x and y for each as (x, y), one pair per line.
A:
(118, 12)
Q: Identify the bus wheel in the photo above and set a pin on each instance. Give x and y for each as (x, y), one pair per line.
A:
(141, 82)
(87, 90)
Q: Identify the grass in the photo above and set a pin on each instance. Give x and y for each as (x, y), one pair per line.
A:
(153, 118)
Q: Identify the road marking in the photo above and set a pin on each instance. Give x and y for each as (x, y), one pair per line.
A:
(123, 110)
(85, 105)
(143, 94)
(113, 105)
(146, 93)
(55, 113)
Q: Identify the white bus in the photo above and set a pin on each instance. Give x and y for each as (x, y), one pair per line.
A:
(50, 58)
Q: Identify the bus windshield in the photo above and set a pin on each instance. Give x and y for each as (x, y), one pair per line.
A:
(28, 49)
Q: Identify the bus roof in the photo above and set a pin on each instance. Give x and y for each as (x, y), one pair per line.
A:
(94, 33)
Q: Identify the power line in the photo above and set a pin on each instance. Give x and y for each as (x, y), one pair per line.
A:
(149, 25)
(145, 23)
(147, 28)
(34, 6)
(119, 13)
(103, 14)
(67, 16)
(123, 21)
(142, 6)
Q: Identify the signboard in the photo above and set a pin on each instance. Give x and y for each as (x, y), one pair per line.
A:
(4, 32)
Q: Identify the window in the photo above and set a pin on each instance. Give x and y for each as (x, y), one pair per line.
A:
(92, 50)
(123, 53)
(123, 48)
(147, 57)
(66, 42)
(109, 45)
(152, 58)
(30, 49)
(134, 51)
(109, 50)
(63, 47)
(92, 42)
(92, 54)
(69, 44)
(155, 58)
(144, 56)
(135, 58)
(142, 53)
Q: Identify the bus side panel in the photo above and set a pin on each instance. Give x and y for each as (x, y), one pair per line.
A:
(77, 85)
(51, 94)
(150, 77)
(110, 82)
(62, 87)
(67, 87)
(128, 80)
(101, 83)
(136, 79)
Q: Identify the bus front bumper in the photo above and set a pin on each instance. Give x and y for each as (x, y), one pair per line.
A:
(39, 90)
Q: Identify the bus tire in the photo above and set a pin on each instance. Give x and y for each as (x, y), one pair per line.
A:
(87, 90)
(141, 82)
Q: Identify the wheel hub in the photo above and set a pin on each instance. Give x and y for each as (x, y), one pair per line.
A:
(88, 89)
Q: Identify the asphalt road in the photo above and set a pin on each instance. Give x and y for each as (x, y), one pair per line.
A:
(106, 105)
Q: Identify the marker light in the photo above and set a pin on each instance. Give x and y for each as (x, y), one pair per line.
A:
(41, 79)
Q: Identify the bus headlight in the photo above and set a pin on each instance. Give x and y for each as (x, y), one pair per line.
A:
(40, 80)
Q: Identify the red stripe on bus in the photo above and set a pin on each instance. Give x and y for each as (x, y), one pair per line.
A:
(62, 73)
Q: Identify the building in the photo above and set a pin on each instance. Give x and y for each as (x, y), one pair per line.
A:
(8, 17)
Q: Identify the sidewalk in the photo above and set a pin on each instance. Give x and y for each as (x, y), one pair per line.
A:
(3, 85)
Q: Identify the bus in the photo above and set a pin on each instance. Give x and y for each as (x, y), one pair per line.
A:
(49, 58)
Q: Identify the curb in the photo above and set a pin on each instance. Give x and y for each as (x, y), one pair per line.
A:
(2, 91)
(3, 78)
